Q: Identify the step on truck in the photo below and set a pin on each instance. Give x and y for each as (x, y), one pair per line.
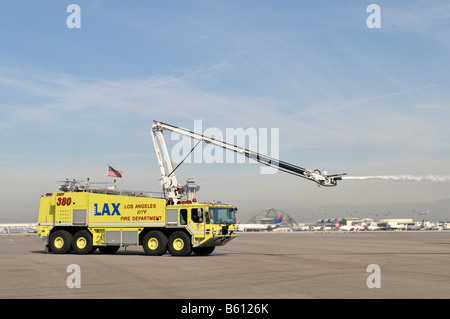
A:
(91, 218)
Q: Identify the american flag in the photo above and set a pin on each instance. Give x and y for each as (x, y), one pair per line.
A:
(113, 172)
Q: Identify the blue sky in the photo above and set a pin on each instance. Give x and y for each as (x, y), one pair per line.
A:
(345, 98)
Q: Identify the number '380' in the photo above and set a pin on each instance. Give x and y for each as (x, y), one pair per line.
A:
(63, 201)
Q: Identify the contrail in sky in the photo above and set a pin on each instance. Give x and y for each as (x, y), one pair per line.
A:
(417, 178)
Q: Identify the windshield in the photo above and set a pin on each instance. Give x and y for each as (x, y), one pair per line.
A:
(221, 215)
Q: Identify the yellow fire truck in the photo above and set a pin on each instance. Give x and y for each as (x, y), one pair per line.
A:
(82, 218)
(91, 218)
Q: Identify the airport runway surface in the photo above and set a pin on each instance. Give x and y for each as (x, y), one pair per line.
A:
(296, 265)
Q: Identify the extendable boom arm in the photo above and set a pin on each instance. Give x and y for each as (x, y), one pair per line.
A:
(322, 179)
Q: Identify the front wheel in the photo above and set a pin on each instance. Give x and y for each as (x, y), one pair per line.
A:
(179, 244)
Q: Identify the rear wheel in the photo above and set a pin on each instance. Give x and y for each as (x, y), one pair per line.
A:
(60, 242)
(179, 244)
(155, 243)
(82, 242)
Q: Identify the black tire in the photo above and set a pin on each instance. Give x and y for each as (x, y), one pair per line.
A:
(203, 251)
(155, 243)
(179, 244)
(82, 242)
(60, 242)
(108, 249)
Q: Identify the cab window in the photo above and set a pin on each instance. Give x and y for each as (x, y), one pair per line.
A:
(197, 215)
(183, 216)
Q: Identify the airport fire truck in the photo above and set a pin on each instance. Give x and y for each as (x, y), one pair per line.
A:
(82, 217)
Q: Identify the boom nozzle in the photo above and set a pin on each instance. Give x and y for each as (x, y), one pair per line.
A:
(323, 179)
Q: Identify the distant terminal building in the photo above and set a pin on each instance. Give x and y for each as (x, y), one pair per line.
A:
(394, 223)
(345, 221)
(326, 222)
(18, 228)
(360, 223)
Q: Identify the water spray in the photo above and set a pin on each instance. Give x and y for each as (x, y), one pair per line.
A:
(416, 178)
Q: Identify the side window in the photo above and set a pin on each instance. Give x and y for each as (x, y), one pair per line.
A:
(197, 215)
(183, 216)
(207, 219)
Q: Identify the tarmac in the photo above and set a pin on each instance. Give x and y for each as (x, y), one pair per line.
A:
(262, 265)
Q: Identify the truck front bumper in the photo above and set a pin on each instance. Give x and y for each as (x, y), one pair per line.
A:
(218, 240)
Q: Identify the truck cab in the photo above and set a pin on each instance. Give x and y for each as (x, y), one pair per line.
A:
(208, 225)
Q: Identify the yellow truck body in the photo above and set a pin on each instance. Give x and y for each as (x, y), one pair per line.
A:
(84, 221)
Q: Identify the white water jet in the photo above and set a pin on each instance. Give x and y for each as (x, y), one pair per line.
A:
(417, 178)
